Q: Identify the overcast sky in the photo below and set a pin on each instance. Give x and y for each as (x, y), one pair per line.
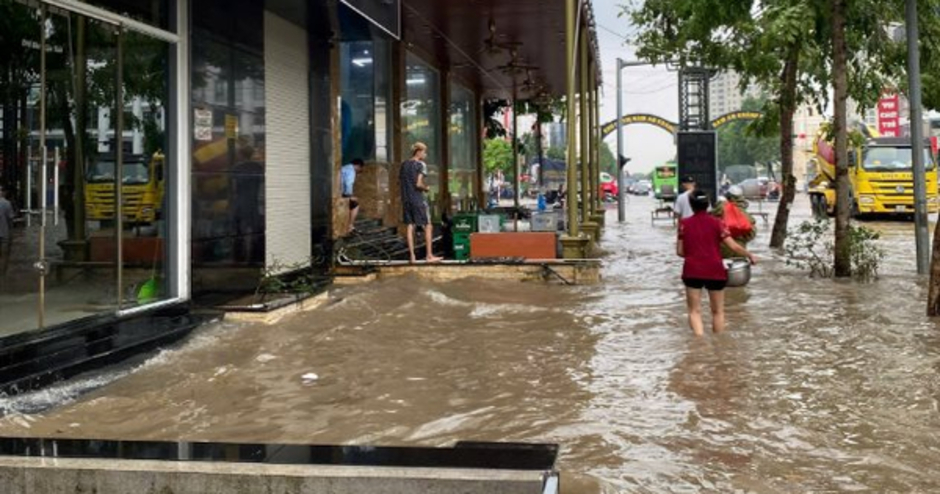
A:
(646, 90)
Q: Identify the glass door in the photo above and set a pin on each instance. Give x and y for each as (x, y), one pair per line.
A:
(84, 165)
(78, 249)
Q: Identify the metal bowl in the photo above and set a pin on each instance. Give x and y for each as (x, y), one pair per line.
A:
(739, 271)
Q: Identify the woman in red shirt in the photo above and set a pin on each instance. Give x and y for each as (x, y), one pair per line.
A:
(700, 240)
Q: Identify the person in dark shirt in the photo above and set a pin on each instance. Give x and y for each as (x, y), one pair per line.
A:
(700, 238)
(412, 179)
(6, 231)
(248, 203)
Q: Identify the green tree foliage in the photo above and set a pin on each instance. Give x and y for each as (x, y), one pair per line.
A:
(786, 46)
(738, 144)
(608, 162)
(497, 155)
(556, 153)
(492, 108)
(545, 112)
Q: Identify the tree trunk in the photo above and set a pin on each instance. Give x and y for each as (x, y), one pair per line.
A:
(787, 108)
(68, 187)
(77, 186)
(843, 265)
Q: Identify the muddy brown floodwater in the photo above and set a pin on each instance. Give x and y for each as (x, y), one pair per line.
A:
(818, 386)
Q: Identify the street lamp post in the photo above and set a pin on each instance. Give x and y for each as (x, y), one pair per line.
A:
(922, 236)
(621, 193)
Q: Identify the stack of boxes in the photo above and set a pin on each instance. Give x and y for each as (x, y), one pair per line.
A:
(491, 223)
(466, 224)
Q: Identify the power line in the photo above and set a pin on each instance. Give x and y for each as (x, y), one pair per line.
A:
(652, 82)
(651, 91)
(615, 33)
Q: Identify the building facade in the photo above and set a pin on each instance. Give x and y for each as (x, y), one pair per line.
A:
(725, 95)
(223, 165)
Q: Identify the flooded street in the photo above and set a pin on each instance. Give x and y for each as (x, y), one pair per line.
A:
(817, 385)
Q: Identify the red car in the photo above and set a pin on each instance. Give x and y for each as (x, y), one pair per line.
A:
(608, 188)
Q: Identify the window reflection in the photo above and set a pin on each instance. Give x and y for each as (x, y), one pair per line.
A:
(153, 12)
(365, 80)
(228, 155)
(66, 194)
(463, 146)
(420, 112)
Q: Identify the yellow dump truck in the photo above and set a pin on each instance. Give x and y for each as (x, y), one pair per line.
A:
(143, 188)
(881, 177)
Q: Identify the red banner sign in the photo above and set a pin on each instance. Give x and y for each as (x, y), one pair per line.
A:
(888, 115)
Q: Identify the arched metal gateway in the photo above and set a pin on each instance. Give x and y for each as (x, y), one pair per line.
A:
(670, 126)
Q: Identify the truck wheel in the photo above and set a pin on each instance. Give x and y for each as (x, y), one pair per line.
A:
(818, 204)
(856, 214)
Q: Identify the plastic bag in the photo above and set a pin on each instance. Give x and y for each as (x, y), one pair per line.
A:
(736, 221)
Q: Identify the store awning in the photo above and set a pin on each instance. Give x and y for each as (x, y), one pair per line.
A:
(476, 40)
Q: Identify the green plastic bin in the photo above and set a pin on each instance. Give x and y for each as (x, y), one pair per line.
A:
(462, 246)
(465, 223)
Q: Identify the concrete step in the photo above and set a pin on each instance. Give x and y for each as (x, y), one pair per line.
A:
(32, 360)
(46, 466)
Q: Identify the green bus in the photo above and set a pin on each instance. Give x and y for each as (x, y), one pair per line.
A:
(666, 175)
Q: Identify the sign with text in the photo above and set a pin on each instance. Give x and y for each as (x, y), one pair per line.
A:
(698, 157)
(888, 115)
(639, 118)
(385, 14)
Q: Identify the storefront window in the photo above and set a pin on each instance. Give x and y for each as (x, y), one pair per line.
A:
(155, 12)
(420, 115)
(90, 190)
(228, 166)
(365, 80)
(463, 146)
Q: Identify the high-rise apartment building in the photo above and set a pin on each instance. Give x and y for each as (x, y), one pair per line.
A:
(725, 95)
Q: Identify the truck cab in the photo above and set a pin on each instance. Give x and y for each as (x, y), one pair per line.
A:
(884, 178)
(881, 178)
(142, 188)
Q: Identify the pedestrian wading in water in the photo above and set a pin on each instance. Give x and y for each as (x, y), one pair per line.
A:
(700, 239)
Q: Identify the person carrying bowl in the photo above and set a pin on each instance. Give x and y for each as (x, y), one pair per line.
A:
(699, 242)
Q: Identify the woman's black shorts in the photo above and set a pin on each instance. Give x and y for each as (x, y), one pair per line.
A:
(710, 285)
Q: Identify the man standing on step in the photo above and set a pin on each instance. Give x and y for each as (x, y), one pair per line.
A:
(348, 178)
(411, 180)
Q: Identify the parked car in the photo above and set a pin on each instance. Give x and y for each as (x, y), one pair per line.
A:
(608, 188)
(755, 188)
(629, 183)
(643, 188)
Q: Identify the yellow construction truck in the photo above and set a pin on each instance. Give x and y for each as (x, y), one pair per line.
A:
(880, 175)
(143, 188)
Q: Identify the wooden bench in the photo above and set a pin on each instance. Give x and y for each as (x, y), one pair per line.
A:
(760, 208)
(663, 213)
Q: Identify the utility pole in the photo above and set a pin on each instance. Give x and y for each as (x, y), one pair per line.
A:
(621, 193)
(922, 236)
